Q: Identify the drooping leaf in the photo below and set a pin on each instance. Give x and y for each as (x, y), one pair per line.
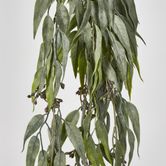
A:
(65, 46)
(39, 10)
(110, 73)
(73, 118)
(56, 131)
(92, 153)
(98, 50)
(82, 67)
(41, 59)
(86, 124)
(134, 117)
(109, 7)
(102, 15)
(75, 137)
(74, 58)
(48, 29)
(132, 12)
(120, 30)
(34, 124)
(120, 56)
(62, 17)
(85, 19)
(50, 88)
(42, 159)
(79, 10)
(72, 6)
(108, 122)
(102, 135)
(131, 139)
(58, 74)
(37, 79)
(32, 151)
(128, 82)
(60, 159)
(88, 37)
(119, 154)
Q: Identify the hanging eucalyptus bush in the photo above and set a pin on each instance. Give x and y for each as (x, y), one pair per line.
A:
(100, 38)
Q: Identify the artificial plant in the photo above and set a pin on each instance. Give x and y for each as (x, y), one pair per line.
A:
(100, 38)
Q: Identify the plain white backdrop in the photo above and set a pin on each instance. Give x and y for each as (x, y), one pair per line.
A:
(18, 56)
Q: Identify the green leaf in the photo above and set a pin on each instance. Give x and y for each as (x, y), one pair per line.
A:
(132, 12)
(73, 118)
(98, 48)
(50, 89)
(72, 6)
(88, 37)
(119, 154)
(32, 151)
(34, 124)
(62, 17)
(79, 11)
(74, 58)
(42, 159)
(37, 79)
(56, 130)
(121, 31)
(120, 56)
(92, 153)
(41, 59)
(58, 74)
(65, 46)
(134, 117)
(48, 29)
(85, 19)
(102, 15)
(128, 82)
(108, 122)
(102, 135)
(75, 137)
(86, 124)
(82, 66)
(60, 159)
(131, 139)
(40, 8)
(110, 73)
(109, 7)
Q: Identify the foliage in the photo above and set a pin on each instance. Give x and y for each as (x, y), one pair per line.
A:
(100, 36)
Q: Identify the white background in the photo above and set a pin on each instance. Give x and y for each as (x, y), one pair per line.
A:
(18, 56)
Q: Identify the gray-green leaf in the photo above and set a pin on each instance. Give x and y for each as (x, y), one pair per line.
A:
(65, 46)
(75, 137)
(92, 153)
(40, 8)
(62, 17)
(50, 89)
(98, 49)
(42, 159)
(33, 126)
(60, 159)
(121, 31)
(102, 15)
(58, 74)
(134, 117)
(102, 135)
(131, 139)
(33, 150)
(73, 118)
(48, 29)
(120, 56)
